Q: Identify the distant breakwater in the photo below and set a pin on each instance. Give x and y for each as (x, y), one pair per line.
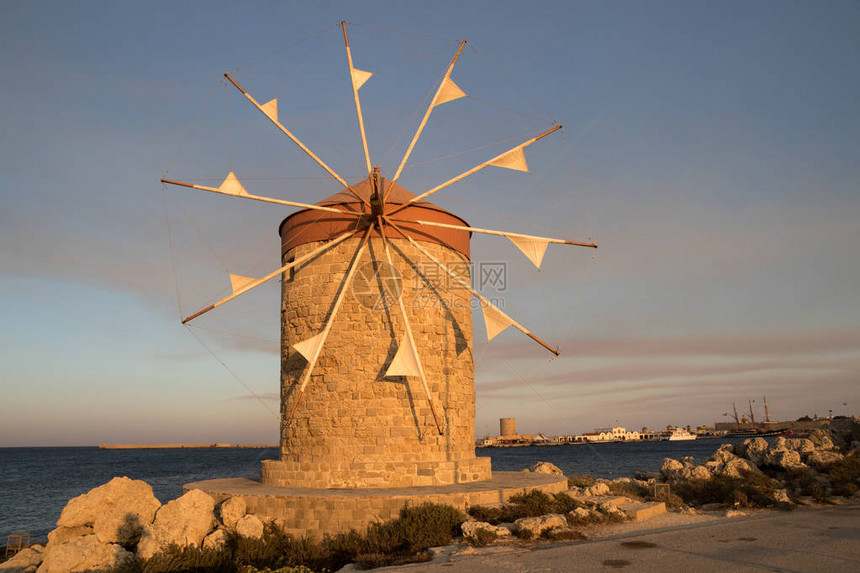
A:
(180, 446)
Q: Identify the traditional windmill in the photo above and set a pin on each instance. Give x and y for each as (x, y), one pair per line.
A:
(379, 394)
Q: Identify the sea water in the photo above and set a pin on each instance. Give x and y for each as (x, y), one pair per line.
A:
(36, 483)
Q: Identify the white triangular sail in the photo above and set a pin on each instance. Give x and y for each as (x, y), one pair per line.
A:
(448, 92)
(238, 282)
(495, 320)
(359, 77)
(514, 159)
(534, 249)
(404, 363)
(232, 186)
(310, 347)
(270, 108)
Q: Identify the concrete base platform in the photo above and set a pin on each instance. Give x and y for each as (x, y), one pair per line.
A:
(302, 511)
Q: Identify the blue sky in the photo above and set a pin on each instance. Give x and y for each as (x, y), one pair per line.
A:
(710, 148)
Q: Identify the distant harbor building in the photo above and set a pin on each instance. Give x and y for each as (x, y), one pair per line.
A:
(508, 427)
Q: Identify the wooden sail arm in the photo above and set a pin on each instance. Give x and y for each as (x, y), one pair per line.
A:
(261, 198)
(257, 282)
(295, 139)
(356, 98)
(498, 233)
(467, 286)
(323, 336)
(409, 334)
(426, 116)
(473, 170)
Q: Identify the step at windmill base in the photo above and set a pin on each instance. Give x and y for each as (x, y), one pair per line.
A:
(356, 425)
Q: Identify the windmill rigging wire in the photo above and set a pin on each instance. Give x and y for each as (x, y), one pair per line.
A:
(472, 150)
(283, 48)
(236, 376)
(191, 130)
(513, 83)
(301, 69)
(507, 109)
(170, 247)
(401, 31)
(236, 334)
(409, 60)
(227, 121)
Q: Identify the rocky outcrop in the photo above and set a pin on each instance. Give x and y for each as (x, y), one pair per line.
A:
(184, 521)
(215, 540)
(117, 511)
(81, 554)
(231, 511)
(822, 440)
(725, 462)
(545, 468)
(820, 459)
(674, 471)
(753, 449)
(470, 529)
(250, 526)
(599, 488)
(25, 561)
(537, 525)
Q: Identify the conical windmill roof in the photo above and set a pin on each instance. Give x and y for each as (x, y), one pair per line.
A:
(309, 226)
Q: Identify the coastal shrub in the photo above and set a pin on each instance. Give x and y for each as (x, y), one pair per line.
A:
(402, 540)
(628, 489)
(483, 537)
(581, 480)
(749, 490)
(522, 533)
(564, 535)
(287, 569)
(844, 475)
(532, 504)
(672, 500)
(190, 559)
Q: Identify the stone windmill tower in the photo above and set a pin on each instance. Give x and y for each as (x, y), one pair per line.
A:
(377, 377)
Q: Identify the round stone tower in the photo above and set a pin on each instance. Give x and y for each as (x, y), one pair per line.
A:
(355, 427)
(508, 427)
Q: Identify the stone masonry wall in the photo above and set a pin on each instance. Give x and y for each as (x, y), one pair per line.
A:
(355, 427)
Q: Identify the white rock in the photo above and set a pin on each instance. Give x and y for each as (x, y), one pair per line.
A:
(545, 468)
(800, 445)
(82, 554)
(610, 508)
(784, 458)
(580, 513)
(597, 489)
(25, 561)
(753, 449)
(822, 440)
(215, 540)
(184, 521)
(63, 534)
(250, 526)
(781, 496)
(117, 510)
(537, 525)
(471, 528)
(822, 458)
(232, 510)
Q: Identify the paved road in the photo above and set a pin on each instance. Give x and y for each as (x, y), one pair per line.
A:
(819, 539)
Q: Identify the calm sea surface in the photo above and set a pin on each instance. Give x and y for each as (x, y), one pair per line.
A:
(36, 483)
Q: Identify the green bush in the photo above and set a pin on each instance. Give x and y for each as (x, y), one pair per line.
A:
(752, 489)
(581, 480)
(628, 489)
(532, 504)
(403, 540)
(482, 537)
